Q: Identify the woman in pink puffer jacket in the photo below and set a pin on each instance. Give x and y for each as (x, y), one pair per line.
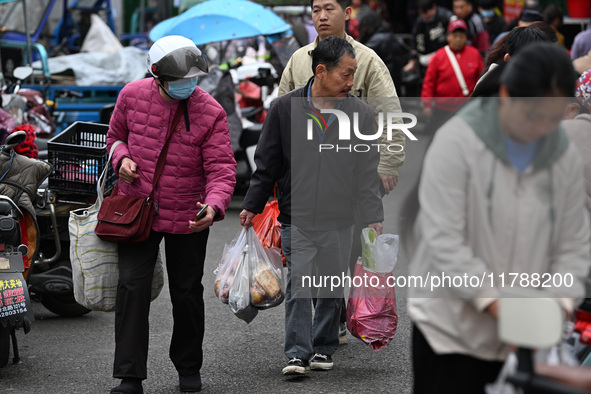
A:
(199, 169)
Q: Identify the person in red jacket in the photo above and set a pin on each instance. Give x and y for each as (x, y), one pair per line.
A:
(442, 81)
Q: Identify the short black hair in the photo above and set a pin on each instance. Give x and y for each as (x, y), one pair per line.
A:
(330, 51)
(539, 69)
(530, 16)
(520, 37)
(547, 29)
(425, 5)
(487, 4)
(552, 12)
(343, 3)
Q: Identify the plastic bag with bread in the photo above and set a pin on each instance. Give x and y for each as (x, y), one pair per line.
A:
(266, 285)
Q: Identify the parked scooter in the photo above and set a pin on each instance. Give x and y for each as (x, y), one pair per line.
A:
(245, 121)
(532, 323)
(580, 336)
(47, 267)
(15, 305)
(256, 90)
(26, 106)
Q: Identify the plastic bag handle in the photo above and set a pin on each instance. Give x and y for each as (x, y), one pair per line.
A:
(100, 185)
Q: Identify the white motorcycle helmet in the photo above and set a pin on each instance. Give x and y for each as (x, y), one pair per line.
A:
(175, 57)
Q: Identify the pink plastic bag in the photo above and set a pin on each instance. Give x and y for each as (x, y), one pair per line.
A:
(371, 309)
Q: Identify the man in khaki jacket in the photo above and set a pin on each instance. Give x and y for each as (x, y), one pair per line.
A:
(372, 78)
(372, 82)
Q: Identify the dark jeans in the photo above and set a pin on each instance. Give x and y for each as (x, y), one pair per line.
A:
(185, 257)
(306, 252)
(449, 373)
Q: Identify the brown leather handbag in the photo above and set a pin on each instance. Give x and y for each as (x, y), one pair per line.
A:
(128, 219)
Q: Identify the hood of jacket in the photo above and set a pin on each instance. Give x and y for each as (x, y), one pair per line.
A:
(482, 115)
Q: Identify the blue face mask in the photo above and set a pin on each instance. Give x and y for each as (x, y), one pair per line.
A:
(487, 13)
(182, 88)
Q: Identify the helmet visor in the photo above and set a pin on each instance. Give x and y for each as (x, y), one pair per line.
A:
(181, 63)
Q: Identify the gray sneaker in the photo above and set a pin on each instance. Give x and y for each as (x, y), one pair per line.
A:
(296, 366)
(321, 362)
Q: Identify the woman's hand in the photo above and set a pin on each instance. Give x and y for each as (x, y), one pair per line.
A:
(205, 221)
(493, 309)
(128, 171)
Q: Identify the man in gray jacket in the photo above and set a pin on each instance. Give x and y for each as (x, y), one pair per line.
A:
(372, 82)
(372, 78)
(319, 174)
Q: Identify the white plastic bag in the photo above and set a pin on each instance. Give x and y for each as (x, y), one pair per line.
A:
(500, 385)
(266, 280)
(226, 270)
(380, 252)
(249, 276)
(239, 297)
(95, 263)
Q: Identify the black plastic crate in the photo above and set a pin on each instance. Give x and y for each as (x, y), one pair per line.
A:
(78, 156)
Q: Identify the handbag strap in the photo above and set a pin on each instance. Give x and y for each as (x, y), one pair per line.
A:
(457, 70)
(160, 164)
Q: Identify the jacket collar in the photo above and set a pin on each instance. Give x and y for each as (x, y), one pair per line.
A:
(349, 39)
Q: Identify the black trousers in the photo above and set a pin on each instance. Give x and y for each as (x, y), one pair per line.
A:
(449, 373)
(185, 258)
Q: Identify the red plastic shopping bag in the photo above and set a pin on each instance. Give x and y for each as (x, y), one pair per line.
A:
(267, 227)
(371, 309)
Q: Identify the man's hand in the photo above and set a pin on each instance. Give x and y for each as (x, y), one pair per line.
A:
(246, 218)
(389, 182)
(410, 66)
(128, 171)
(376, 226)
(428, 111)
(205, 221)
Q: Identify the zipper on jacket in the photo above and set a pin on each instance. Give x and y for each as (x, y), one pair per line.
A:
(317, 186)
(489, 194)
(518, 193)
(552, 212)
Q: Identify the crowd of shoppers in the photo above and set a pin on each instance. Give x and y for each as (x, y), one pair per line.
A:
(501, 189)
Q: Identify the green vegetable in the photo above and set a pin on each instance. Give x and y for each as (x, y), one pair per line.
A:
(368, 240)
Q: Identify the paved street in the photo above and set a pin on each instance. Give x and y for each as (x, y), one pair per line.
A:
(74, 355)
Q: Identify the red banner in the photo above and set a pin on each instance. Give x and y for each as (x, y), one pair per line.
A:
(512, 9)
